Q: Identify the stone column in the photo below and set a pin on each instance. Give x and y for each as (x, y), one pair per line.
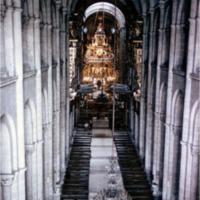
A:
(9, 40)
(43, 44)
(37, 54)
(50, 111)
(17, 32)
(168, 112)
(142, 135)
(136, 128)
(6, 182)
(158, 131)
(47, 172)
(122, 50)
(67, 90)
(131, 114)
(150, 117)
(63, 93)
(3, 70)
(30, 49)
(30, 176)
(192, 176)
(56, 137)
(189, 150)
(173, 175)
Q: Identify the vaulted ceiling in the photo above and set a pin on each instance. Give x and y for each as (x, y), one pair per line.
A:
(125, 5)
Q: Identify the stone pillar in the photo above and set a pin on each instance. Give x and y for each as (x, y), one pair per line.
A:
(189, 145)
(142, 135)
(50, 111)
(17, 32)
(43, 44)
(168, 112)
(39, 148)
(29, 51)
(131, 114)
(173, 174)
(158, 123)
(67, 90)
(122, 51)
(9, 40)
(30, 176)
(56, 134)
(136, 128)
(150, 117)
(63, 93)
(47, 162)
(3, 70)
(6, 182)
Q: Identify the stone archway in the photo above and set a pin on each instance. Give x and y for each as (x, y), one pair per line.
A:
(109, 8)
(8, 150)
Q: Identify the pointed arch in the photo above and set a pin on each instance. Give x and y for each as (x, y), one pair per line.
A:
(44, 106)
(163, 98)
(194, 137)
(183, 11)
(30, 122)
(43, 11)
(108, 8)
(177, 108)
(8, 145)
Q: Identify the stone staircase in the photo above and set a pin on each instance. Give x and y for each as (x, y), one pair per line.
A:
(76, 181)
(134, 178)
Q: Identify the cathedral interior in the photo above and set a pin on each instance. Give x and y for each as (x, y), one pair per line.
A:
(100, 100)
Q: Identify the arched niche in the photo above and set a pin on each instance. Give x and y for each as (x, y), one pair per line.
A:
(177, 108)
(44, 106)
(30, 122)
(8, 146)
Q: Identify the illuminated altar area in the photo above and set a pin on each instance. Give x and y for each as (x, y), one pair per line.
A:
(99, 61)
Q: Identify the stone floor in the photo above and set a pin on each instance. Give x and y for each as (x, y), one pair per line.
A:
(102, 149)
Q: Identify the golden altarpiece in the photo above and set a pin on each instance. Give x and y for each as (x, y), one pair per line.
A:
(99, 61)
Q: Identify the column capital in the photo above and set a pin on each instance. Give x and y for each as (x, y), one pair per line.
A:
(7, 180)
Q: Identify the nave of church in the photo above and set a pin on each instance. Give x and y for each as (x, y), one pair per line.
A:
(99, 99)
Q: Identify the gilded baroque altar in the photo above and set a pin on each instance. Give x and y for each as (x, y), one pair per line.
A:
(99, 60)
